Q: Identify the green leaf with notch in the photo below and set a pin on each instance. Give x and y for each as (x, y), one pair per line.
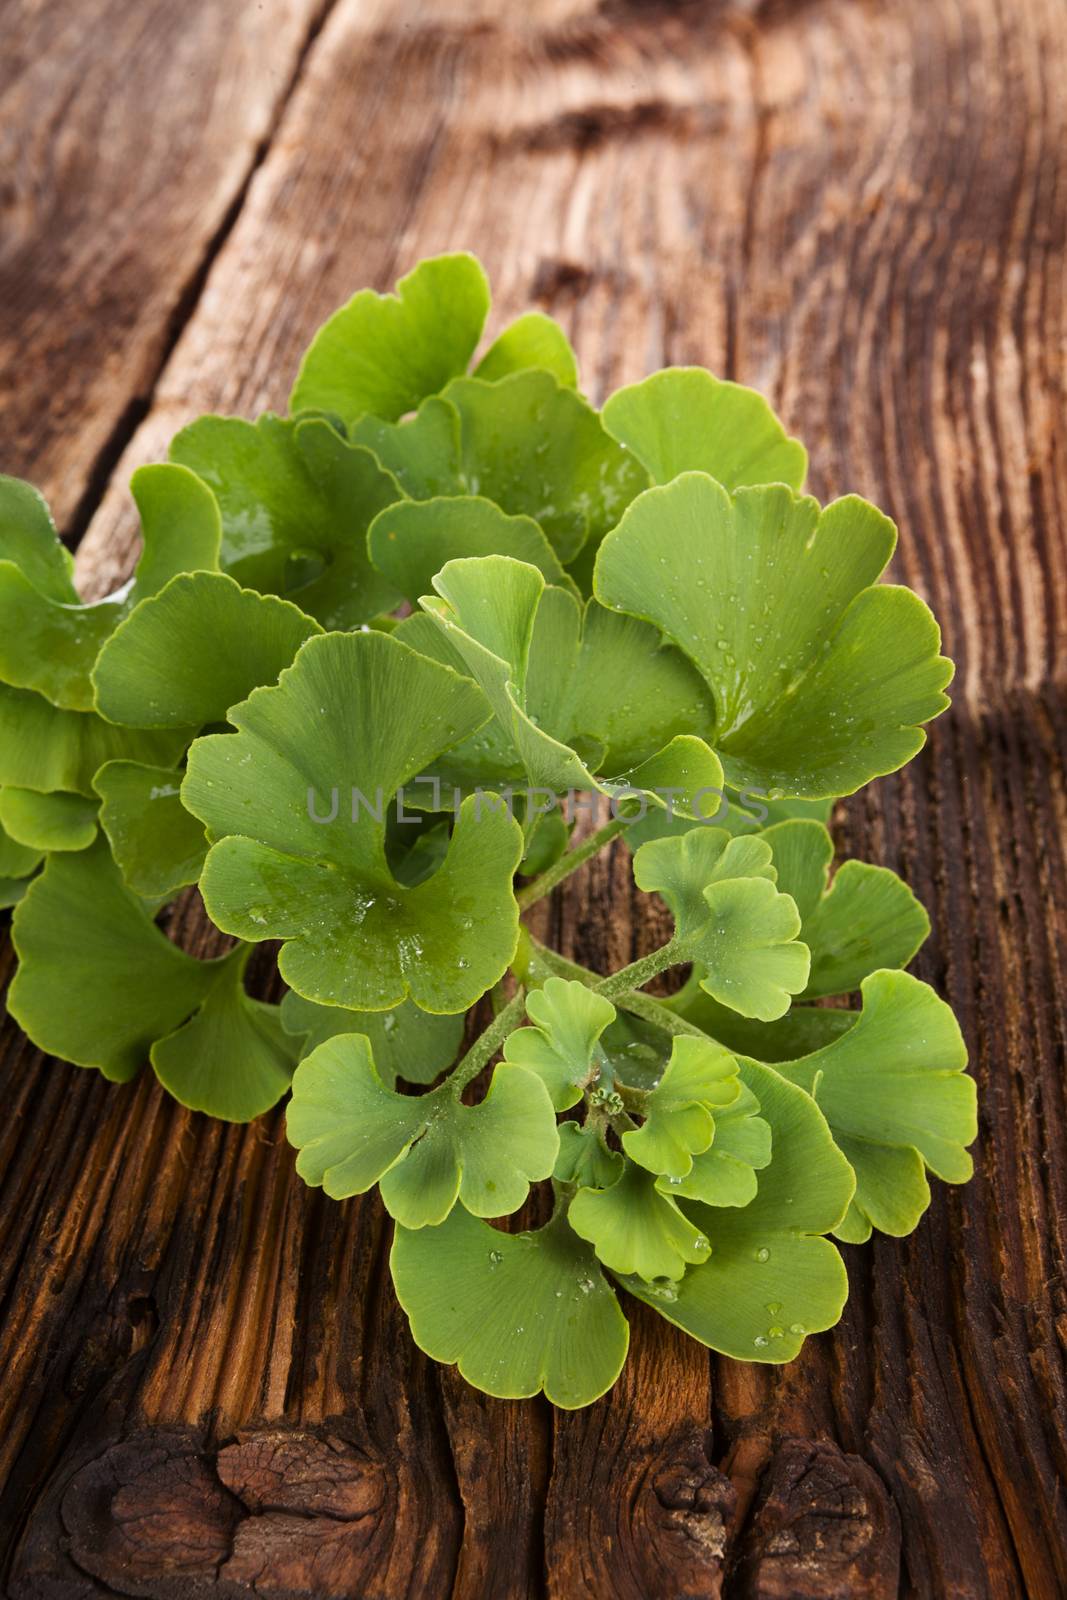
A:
(49, 638)
(529, 444)
(771, 1276)
(384, 353)
(636, 1229)
(897, 1098)
(425, 1152)
(296, 502)
(517, 1313)
(562, 1047)
(867, 918)
(354, 936)
(681, 1111)
(583, 702)
(821, 677)
(745, 939)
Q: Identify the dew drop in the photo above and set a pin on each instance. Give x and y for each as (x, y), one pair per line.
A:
(761, 1341)
(495, 1258)
(763, 1254)
(797, 1327)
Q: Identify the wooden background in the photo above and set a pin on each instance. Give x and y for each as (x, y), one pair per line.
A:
(857, 205)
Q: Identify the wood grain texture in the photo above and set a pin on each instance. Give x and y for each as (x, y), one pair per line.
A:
(861, 209)
(128, 130)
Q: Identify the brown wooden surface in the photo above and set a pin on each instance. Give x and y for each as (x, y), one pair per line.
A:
(859, 207)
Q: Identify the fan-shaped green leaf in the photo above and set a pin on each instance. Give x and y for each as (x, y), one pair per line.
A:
(97, 981)
(188, 654)
(770, 1278)
(412, 540)
(532, 340)
(354, 935)
(517, 1313)
(29, 540)
(49, 644)
(562, 1046)
(685, 420)
(406, 1042)
(19, 860)
(158, 847)
(99, 984)
(573, 693)
(896, 1079)
(745, 944)
(47, 749)
(296, 503)
(383, 353)
(425, 1151)
(868, 918)
(533, 447)
(821, 678)
(725, 1174)
(48, 821)
(635, 1229)
(584, 1159)
(232, 1059)
(681, 1111)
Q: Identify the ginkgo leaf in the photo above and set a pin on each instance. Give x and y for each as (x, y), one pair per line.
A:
(745, 943)
(770, 1277)
(232, 1058)
(49, 638)
(354, 935)
(526, 442)
(48, 821)
(384, 353)
(725, 1174)
(296, 502)
(584, 1159)
(184, 657)
(412, 540)
(157, 845)
(867, 918)
(45, 748)
(562, 1046)
(821, 677)
(406, 1042)
(532, 340)
(635, 1229)
(29, 540)
(685, 420)
(682, 866)
(100, 985)
(582, 707)
(425, 1152)
(517, 1313)
(680, 1112)
(97, 981)
(19, 860)
(896, 1080)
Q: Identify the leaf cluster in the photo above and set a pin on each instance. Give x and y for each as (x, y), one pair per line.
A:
(369, 650)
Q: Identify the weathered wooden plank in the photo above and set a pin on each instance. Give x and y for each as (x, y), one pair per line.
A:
(861, 209)
(127, 133)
